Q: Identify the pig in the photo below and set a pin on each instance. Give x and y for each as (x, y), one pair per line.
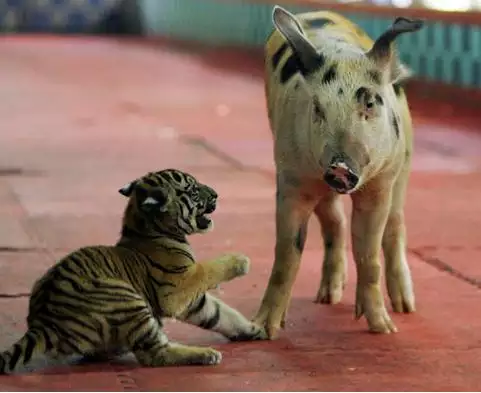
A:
(341, 125)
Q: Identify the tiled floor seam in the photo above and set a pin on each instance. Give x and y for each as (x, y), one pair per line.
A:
(20, 249)
(445, 267)
(228, 159)
(31, 233)
(210, 148)
(23, 217)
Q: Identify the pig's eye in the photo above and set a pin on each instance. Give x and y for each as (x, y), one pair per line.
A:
(379, 99)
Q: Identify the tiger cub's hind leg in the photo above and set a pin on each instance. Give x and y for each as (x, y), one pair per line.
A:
(179, 355)
(210, 313)
(152, 348)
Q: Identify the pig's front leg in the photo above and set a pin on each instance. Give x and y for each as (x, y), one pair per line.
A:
(370, 211)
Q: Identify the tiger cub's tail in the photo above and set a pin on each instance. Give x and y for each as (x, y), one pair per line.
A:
(34, 342)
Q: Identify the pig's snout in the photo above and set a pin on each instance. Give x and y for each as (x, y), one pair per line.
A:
(341, 178)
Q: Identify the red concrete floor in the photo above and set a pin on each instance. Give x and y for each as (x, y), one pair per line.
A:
(81, 117)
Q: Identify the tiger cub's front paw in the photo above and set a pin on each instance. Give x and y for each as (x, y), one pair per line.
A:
(256, 333)
(239, 263)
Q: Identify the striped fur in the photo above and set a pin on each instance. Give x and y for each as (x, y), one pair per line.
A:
(341, 125)
(105, 300)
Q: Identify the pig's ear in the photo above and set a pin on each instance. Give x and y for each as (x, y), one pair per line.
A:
(288, 25)
(383, 53)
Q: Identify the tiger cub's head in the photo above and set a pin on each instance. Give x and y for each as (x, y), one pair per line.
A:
(168, 202)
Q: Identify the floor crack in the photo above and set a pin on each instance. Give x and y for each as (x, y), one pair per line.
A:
(225, 157)
(445, 267)
(14, 295)
(20, 249)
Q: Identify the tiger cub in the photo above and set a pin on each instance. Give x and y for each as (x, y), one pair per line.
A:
(102, 300)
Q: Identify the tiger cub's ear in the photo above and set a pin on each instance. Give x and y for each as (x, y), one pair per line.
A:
(128, 188)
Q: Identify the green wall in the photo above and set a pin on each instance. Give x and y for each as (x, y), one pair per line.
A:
(443, 52)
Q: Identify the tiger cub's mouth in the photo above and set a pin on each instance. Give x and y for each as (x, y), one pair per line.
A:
(203, 221)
